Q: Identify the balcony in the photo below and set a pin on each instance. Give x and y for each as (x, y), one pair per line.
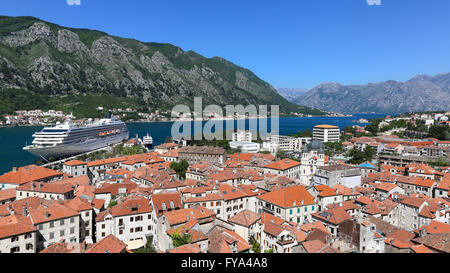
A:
(285, 242)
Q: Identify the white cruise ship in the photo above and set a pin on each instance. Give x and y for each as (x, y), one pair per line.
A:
(148, 141)
(69, 139)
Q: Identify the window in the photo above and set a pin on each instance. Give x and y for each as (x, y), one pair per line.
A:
(120, 231)
(52, 224)
(15, 249)
(131, 230)
(52, 235)
(149, 216)
(87, 214)
(62, 222)
(61, 232)
(29, 246)
(72, 230)
(15, 239)
(103, 226)
(131, 219)
(149, 228)
(28, 235)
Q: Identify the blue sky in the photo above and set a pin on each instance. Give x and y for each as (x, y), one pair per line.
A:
(288, 43)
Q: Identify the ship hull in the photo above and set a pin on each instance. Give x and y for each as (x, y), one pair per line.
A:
(66, 150)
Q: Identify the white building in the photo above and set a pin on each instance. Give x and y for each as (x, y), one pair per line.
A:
(75, 168)
(326, 133)
(55, 224)
(242, 135)
(245, 146)
(131, 221)
(17, 235)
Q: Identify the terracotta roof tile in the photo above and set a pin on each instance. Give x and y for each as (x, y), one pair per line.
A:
(288, 197)
(28, 173)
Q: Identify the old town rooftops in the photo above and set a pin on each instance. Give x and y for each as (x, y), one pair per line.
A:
(28, 173)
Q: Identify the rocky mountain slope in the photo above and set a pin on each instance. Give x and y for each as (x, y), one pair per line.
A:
(50, 64)
(291, 94)
(421, 93)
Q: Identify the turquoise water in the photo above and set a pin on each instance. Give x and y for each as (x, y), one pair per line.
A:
(12, 139)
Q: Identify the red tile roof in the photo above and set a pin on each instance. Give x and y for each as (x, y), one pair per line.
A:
(109, 244)
(56, 188)
(29, 173)
(221, 240)
(15, 225)
(288, 197)
(334, 215)
(283, 164)
(245, 218)
(52, 213)
(7, 194)
(181, 216)
(170, 200)
(75, 163)
(132, 206)
(189, 248)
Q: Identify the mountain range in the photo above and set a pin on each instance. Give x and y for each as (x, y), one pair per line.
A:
(291, 94)
(45, 65)
(421, 93)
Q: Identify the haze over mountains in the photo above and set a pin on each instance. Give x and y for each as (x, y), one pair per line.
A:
(291, 94)
(421, 93)
(46, 65)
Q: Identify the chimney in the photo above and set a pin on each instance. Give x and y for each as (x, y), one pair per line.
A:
(14, 169)
(32, 185)
(47, 215)
(24, 210)
(83, 246)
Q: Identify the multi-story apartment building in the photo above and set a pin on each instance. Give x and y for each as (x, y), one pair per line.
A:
(75, 168)
(338, 175)
(286, 167)
(292, 204)
(198, 154)
(326, 133)
(132, 220)
(276, 143)
(48, 191)
(86, 211)
(55, 223)
(242, 135)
